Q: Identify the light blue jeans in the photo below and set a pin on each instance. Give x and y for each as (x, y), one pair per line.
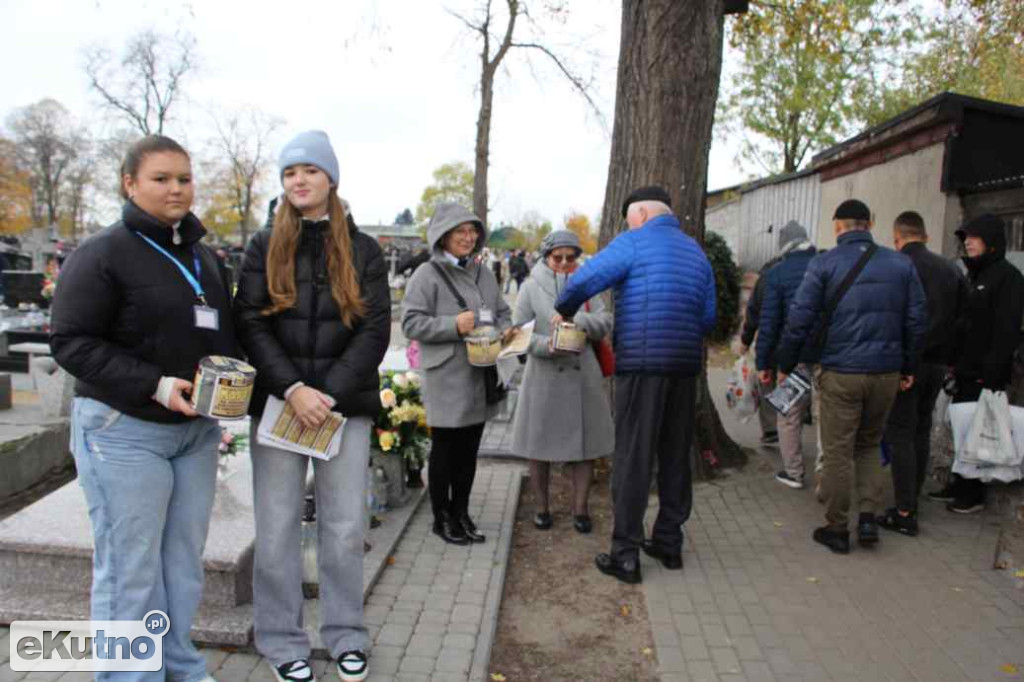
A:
(150, 489)
(279, 486)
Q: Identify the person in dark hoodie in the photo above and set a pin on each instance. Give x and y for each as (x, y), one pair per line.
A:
(138, 305)
(908, 429)
(989, 334)
(313, 312)
(780, 285)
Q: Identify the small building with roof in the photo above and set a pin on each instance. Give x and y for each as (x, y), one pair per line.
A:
(950, 158)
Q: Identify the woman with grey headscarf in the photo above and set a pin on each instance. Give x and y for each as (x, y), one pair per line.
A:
(563, 414)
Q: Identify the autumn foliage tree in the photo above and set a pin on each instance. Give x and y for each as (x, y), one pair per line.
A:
(15, 192)
(452, 182)
(579, 224)
(975, 47)
(808, 70)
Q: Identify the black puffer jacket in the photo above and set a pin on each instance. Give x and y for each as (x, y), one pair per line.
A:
(123, 314)
(309, 343)
(990, 330)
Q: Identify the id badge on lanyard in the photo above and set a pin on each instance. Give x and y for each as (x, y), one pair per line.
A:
(207, 317)
(486, 315)
(204, 316)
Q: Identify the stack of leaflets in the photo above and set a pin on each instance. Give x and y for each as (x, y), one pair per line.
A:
(789, 393)
(281, 428)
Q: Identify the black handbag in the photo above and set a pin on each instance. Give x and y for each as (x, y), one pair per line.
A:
(494, 389)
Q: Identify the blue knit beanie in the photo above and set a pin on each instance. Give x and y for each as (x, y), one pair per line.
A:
(312, 147)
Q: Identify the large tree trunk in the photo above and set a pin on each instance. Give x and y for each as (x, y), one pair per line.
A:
(483, 142)
(670, 63)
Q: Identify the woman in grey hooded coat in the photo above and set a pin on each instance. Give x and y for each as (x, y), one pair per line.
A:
(563, 414)
(453, 390)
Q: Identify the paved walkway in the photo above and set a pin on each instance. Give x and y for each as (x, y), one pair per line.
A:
(759, 600)
(433, 612)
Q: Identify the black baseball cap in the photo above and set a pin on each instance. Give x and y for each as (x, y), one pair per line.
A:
(852, 209)
(647, 193)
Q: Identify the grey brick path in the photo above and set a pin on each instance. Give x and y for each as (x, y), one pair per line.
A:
(432, 614)
(758, 600)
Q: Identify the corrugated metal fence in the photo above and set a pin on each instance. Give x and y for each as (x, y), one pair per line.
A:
(763, 208)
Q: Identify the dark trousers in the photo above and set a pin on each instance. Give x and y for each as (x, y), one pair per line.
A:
(967, 489)
(452, 467)
(908, 433)
(653, 418)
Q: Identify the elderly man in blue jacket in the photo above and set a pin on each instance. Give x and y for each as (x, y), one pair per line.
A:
(664, 307)
(864, 306)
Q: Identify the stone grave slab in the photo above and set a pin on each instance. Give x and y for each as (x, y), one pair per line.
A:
(46, 559)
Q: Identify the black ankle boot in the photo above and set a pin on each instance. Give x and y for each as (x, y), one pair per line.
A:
(449, 530)
(471, 532)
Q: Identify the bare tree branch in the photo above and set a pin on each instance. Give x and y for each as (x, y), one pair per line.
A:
(583, 87)
(147, 83)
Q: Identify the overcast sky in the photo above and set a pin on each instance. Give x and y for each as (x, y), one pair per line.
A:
(393, 82)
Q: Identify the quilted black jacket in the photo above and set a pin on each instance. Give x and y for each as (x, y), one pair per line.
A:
(308, 342)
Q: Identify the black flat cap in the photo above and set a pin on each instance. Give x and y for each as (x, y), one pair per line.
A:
(851, 209)
(648, 193)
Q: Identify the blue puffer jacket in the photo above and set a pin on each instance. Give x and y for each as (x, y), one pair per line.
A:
(780, 285)
(880, 323)
(664, 297)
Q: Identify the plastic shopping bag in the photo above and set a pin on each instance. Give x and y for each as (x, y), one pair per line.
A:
(742, 394)
(990, 438)
(985, 457)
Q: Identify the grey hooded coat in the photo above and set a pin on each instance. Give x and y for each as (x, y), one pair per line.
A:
(563, 414)
(453, 390)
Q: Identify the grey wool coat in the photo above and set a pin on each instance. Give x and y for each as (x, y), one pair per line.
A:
(453, 390)
(563, 413)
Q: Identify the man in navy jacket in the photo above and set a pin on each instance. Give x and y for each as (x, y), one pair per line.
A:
(780, 285)
(664, 307)
(870, 351)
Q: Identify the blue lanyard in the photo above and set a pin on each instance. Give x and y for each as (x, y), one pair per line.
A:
(193, 280)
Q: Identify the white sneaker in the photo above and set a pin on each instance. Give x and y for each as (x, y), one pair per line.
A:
(352, 666)
(293, 671)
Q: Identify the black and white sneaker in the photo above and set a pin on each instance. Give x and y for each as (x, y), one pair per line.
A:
(352, 666)
(294, 671)
(793, 482)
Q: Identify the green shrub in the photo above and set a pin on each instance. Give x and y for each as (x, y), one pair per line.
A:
(727, 287)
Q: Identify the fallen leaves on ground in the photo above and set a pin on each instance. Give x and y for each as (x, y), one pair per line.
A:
(497, 677)
(812, 579)
(624, 609)
(647, 651)
(1009, 669)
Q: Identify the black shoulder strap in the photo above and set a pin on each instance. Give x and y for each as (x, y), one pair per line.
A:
(451, 285)
(850, 278)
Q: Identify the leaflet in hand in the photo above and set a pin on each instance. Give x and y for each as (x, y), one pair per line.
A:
(281, 428)
(519, 342)
(789, 392)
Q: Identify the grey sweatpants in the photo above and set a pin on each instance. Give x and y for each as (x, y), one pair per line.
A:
(279, 484)
(654, 417)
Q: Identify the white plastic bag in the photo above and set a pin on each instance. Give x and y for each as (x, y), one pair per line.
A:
(984, 459)
(990, 438)
(743, 394)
